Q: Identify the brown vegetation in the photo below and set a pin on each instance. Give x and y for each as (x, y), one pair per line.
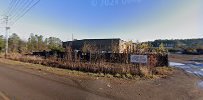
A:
(104, 68)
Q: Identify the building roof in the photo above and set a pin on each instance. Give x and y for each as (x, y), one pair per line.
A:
(96, 39)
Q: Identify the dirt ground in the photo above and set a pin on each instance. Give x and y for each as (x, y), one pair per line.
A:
(181, 58)
(179, 86)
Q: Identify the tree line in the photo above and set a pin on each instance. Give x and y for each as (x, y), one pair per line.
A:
(180, 43)
(35, 43)
(185, 46)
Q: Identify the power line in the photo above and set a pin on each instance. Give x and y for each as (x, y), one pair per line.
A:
(13, 7)
(24, 7)
(16, 9)
(9, 7)
(19, 10)
(25, 12)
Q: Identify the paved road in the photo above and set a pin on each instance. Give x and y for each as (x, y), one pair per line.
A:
(18, 84)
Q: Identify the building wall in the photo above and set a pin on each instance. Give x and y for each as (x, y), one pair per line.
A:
(122, 46)
(102, 45)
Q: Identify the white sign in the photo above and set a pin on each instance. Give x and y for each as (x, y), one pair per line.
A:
(138, 58)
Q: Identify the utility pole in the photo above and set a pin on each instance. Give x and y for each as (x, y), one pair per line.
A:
(6, 39)
(72, 38)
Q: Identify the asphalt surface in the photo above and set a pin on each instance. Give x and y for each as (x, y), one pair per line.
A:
(18, 84)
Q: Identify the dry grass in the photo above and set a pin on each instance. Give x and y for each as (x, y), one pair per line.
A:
(126, 71)
(163, 71)
(156, 72)
(183, 58)
(145, 72)
(58, 71)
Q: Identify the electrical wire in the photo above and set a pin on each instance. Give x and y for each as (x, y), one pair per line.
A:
(22, 10)
(25, 12)
(18, 9)
(13, 8)
(9, 7)
(23, 6)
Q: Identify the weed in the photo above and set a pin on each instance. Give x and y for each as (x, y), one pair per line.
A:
(129, 76)
(109, 75)
(117, 75)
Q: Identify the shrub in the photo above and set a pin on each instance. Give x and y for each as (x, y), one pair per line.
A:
(144, 71)
(109, 75)
(162, 70)
(117, 75)
(101, 74)
(129, 76)
(124, 77)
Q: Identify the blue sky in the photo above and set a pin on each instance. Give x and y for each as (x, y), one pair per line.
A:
(141, 20)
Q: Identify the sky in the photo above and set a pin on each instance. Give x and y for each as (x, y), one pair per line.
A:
(142, 20)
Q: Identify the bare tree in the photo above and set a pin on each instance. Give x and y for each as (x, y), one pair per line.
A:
(68, 52)
(114, 47)
(91, 48)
